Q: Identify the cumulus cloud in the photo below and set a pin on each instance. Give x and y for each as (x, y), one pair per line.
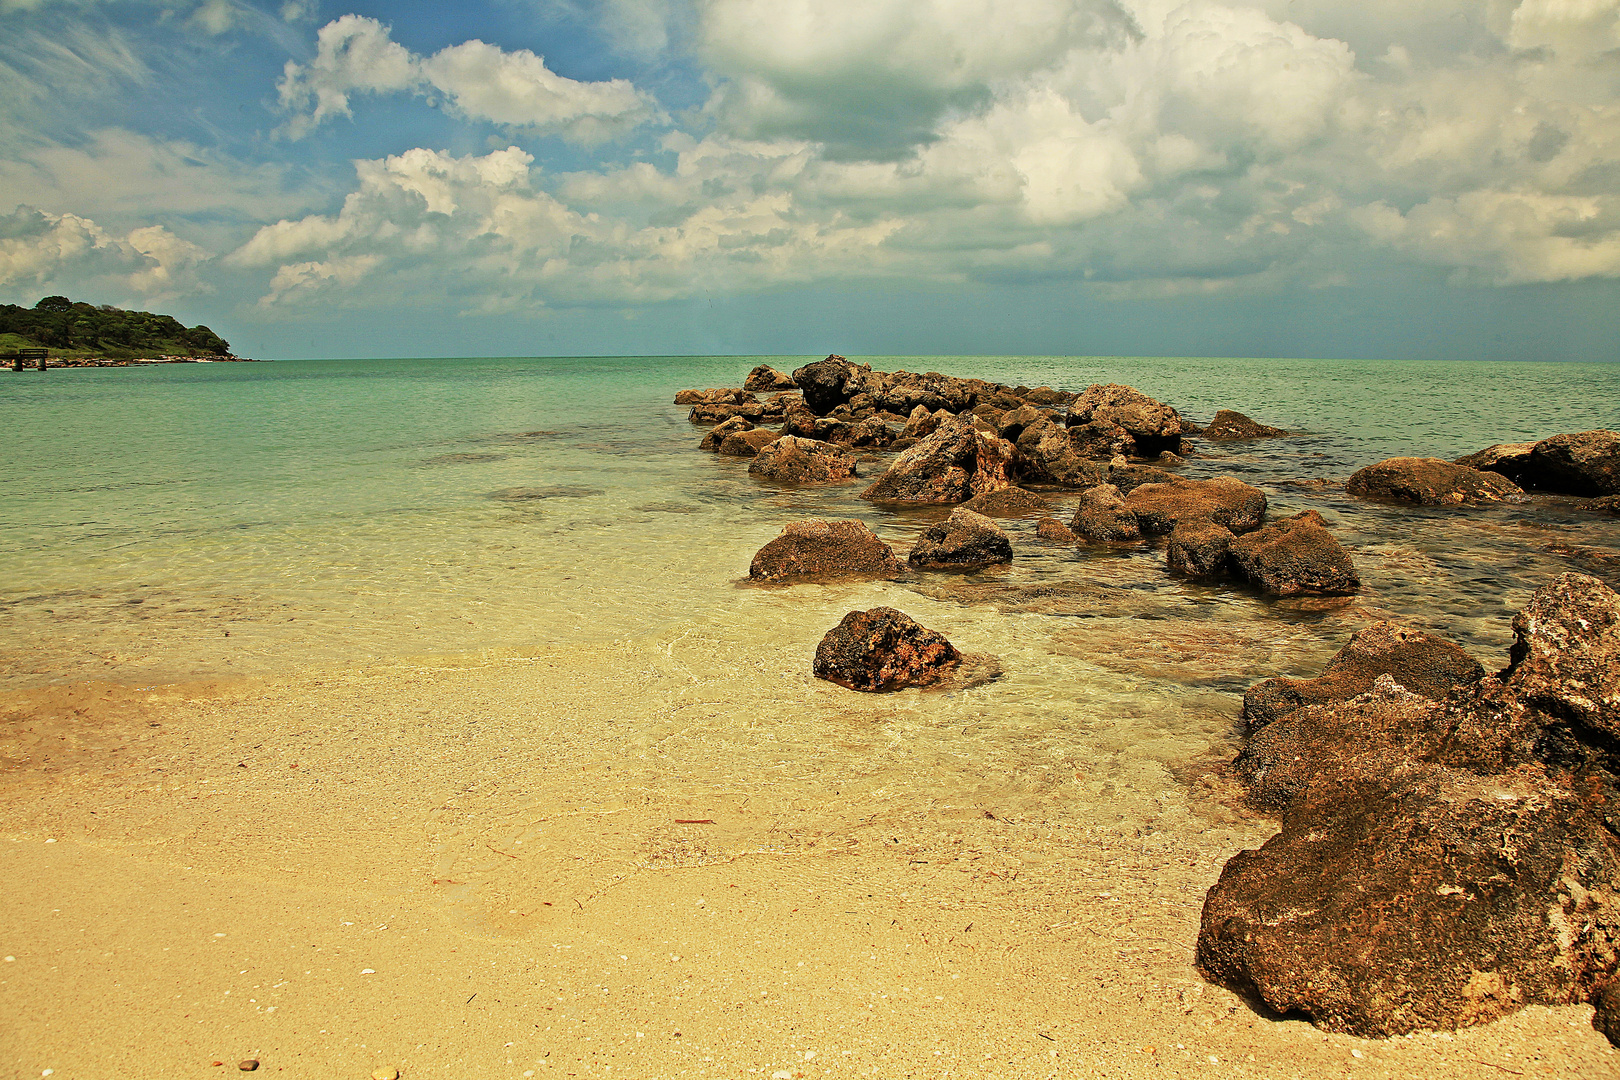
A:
(356, 54)
(65, 251)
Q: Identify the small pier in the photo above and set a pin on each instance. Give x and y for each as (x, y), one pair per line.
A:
(23, 357)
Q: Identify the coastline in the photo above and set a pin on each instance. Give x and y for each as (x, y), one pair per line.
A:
(551, 865)
(11, 364)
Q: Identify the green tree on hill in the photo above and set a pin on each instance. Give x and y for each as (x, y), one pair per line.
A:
(59, 323)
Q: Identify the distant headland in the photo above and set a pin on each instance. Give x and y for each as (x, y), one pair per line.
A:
(58, 332)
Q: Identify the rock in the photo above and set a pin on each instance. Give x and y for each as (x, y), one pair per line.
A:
(1432, 482)
(1234, 425)
(1050, 453)
(1053, 531)
(765, 378)
(1130, 477)
(385, 1072)
(1167, 460)
(952, 465)
(1199, 549)
(1608, 504)
(1151, 426)
(1045, 395)
(871, 432)
(718, 396)
(802, 461)
(1421, 663)
(711, 442)
(963, 541)
(1583, 463)
(1578, 463)
(827, 383)
(1102, 515)
(883, 650)
(747, 443)
(1607, 1016)
(1005, 502)
(1011, 424)
(921, 423)
(1565, 659)
(248, 1065)
(716, 414)
(800, 421)
(824, 550)
(1426, 898)
(1293, 556)
(1160, 506)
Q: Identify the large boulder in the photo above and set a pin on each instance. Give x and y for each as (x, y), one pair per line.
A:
(1160, 506)
(746, 443)
(764, 379)
(1229, 425)
(963, 541)
(828, 383)
(1199, 549)
(1423, 664)
(1293, 556)
(1102, 515)
(952, 465)
(824, 550)
(1050, 453)
(802, 461)
(1432, 482)
(883, 650)
(717, 435)
(1152, 426)
(1441, 862)
(1577, 463)
(921, 423)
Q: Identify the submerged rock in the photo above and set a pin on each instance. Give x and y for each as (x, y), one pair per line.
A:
(1234, 425)
(1005, 502)
(1295, 555)
(963, 541)
(1102, 515)
(1053, 531)
(1608, 504)
(1432, 482)
(1159, 507)
(717, 435)
(746, 443)
(884, 650)
(823, 550)
(1420, 662)
(803, 461)
(952, 465)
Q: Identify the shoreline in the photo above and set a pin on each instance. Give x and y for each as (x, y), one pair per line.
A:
(107, 361)
(553, 864)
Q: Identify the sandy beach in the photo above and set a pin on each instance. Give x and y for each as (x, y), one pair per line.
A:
(619, 861)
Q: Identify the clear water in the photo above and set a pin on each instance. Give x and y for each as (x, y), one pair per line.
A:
(161, 524)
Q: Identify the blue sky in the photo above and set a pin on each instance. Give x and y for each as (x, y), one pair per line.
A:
(1401, 178)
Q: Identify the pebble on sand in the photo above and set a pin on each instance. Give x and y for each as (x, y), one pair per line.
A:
(385, 1072)
(248, 1065)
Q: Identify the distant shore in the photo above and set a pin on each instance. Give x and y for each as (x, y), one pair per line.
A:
(10, 363)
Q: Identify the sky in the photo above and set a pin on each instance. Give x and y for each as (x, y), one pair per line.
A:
(1424, 179)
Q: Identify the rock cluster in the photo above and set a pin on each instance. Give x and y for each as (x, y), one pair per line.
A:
(1446, 860)
(1577, 463)
(1432, 482)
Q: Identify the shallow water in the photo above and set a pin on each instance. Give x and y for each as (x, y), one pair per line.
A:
(183, 522)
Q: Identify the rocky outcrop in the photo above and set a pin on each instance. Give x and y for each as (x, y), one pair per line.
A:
(1578, 463)
(711, 442)
(1050, 453)
(963, 541)
(1608, 504)
(1229, 425)
(764, 379)
(1293, 556)
(1123, 420)
(746, 443)
(724, 395)
(1199, 549)
(824, 550)
(1103, 516)
(1159, 507)
(884, 650)
(1441, 862)
(952, 465)
(1005, 502)
(802, 461)
(921, 423)
(1420, 662)
(1432, 482)
(827, 383)
(1053, 531)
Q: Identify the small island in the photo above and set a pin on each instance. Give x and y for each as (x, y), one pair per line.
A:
(58, 332)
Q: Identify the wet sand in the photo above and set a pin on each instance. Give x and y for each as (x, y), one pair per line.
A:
(623, 860)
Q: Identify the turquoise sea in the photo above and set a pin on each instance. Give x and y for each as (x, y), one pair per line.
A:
(170, 523)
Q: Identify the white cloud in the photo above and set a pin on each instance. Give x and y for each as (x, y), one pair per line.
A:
(355, 54)
(65, 252)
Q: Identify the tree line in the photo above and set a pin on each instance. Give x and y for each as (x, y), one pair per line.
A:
(59, 323)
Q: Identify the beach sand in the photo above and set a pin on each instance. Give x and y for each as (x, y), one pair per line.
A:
(620, 860)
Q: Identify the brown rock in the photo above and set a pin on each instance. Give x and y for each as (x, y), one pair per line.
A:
(802, 461)
(1152, 426)
(1199, 549)
(1565, 660)
(828, 383)
(883, 650)
(747, 443)
(1130, 477)
(1432, 482)
(248, 1065)
(1005, 502)
(1053, 531)
(952, 465)
(1053, 454)
(765, 378)
(824, 550)
(921, 423)
(963, 541)
(716, 414)
(1160, 506)
(1234, 425)
(1421, 663)
(717, 396)
(711, 442)
(1608, 504)
(1102, 515)
(1293, 556)
(1582, 463)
